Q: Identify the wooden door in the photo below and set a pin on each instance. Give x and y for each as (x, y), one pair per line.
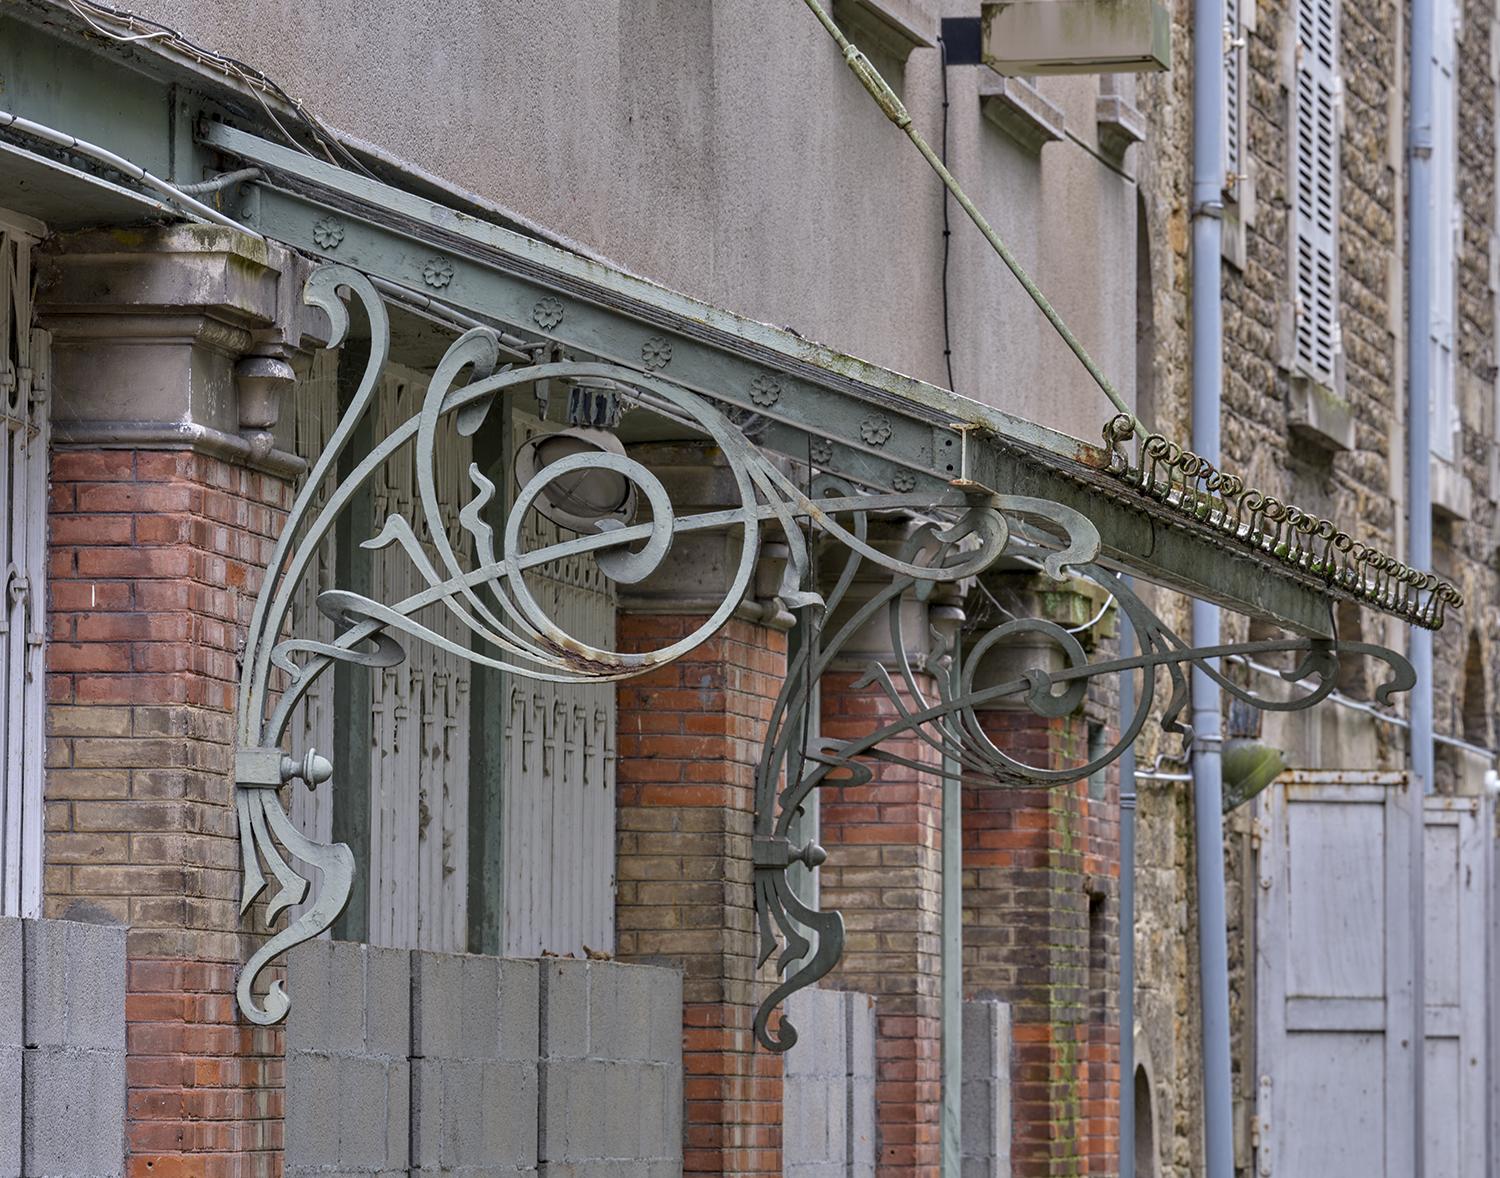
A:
(1334, 1060)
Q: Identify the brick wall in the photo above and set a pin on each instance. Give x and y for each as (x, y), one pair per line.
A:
(1041, 872)
(689, 739)
(884, 874)
(155, 556)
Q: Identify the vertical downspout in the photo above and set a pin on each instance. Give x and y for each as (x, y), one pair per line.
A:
(1208, 786)
(1127, 913)
(1419, 358)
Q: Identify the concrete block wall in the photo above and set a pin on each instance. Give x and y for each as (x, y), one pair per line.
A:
(432, 1063)
(611, 1070)
(985, 1143)
(348, 1069)
(474, 1065)
(828, 1087)
(62, 1049)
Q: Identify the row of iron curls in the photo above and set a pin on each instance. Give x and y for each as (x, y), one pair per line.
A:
(1194, 487)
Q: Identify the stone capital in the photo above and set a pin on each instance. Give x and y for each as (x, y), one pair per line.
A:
(699, 571)
(181, 336)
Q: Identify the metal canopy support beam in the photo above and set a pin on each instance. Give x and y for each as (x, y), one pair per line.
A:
(871, 425)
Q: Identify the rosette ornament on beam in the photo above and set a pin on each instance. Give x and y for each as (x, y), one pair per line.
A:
(966, 529)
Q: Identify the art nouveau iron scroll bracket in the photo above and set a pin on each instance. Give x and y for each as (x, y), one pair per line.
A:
(486, 590)
(941, 709)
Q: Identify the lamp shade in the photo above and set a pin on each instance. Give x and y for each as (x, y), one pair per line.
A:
(582, 498)
(1248, 768)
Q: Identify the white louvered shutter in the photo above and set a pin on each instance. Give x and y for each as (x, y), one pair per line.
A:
(1315, 189)
(1447, 232)
(1234, 96)
(24, 375)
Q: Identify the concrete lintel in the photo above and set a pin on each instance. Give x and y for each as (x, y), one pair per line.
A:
(1121, 124)
(1452, 493)
(191, 329)
(699, 571)
(1031, 37)
(1319, 415)
(893, 26)
(1020, 110)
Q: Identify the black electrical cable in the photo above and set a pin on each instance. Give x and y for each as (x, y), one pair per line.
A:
(947, 231)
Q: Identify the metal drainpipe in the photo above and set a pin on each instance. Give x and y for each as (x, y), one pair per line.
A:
(1208, 786)
(1127, 914)
(1419, 249)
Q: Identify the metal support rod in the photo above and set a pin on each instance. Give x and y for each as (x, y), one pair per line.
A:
(1419, 360)
(1207, 765)
(893, 108)
(1127, 916)
(952, 1007)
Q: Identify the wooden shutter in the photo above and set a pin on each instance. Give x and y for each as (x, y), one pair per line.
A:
(1456, 861)
(24, 373)
(558, 824)
(1447, 227)
(1315, 190)
(1234, 97)
(1334, 978)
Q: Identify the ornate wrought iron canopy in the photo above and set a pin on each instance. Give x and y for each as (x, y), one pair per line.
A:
(965, 528)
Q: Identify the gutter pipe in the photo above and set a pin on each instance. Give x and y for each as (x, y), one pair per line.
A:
(1207, 766)
(1419, 247)
(1127, 914)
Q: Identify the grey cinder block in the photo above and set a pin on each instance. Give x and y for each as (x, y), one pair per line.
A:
(10, 1105)
(388, 1002)
(312, 1109)
(307, 983)
(509, 1113)
(362, 1112)
(11, 987)
(564, 1008)
(437, 1012)
(73, 1110)
(345, 1026)
(520, 1007)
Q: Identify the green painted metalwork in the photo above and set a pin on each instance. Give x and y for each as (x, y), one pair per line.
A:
(969, 529)
(509, 280)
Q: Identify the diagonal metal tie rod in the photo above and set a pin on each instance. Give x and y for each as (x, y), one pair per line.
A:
(895, 110)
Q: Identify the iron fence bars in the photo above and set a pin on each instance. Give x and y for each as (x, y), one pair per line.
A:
(963, 530)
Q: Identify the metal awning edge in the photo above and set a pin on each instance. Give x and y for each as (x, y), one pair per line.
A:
(1005, 454)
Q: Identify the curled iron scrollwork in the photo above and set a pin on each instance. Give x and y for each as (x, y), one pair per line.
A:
(965, 531)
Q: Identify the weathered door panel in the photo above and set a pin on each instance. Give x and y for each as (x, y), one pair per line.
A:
(1456, 867)
(558, 805)
(1334, 979)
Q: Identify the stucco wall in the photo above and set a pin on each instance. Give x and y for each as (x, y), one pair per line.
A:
(725, 150)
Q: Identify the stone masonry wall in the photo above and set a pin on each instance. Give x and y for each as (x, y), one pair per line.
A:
(1362, 488)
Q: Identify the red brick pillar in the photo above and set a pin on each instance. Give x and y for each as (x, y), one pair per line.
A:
(689, 740)
(1041, 872)
(884, 873)
(156, 550)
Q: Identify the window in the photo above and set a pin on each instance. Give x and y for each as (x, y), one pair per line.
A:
(23, 515)
(1235, 34)
(1315, 191)
(1447, 233)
